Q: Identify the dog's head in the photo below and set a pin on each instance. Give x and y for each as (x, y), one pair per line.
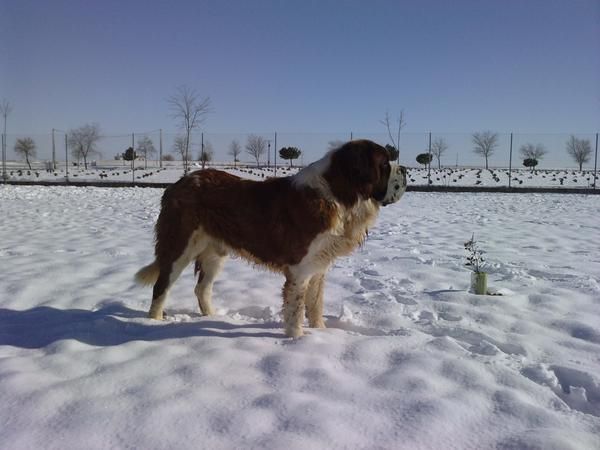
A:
(362, 169)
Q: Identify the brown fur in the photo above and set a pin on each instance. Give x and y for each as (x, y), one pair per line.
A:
(270, 220)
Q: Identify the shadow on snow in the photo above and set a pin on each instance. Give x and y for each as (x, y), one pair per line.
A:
(112, 324)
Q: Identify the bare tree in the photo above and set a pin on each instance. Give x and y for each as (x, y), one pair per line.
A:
(255, 147)
(5, 110)
(145, 147)
(206, 154)
(387, 122)
(25, 147)
(485, 144)
(438, 147)
(580, 150)
(83, 141)
(180, 149)
(533, 151)
(187, 107)
(235, 149)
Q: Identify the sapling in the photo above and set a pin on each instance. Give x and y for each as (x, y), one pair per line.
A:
(476, 263)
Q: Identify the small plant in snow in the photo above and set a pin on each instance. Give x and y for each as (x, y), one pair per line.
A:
(475, 261)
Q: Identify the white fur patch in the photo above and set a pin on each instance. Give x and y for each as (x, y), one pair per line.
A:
(347, 234)
(312, 176)
(197, 242)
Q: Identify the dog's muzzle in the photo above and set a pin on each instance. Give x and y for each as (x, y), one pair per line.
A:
(396, 184)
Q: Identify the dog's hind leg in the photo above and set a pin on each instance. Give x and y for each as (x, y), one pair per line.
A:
(314, 301)
(208, 265)
(169, 272)
(159, 294)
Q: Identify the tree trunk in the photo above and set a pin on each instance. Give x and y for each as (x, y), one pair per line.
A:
(187, 149)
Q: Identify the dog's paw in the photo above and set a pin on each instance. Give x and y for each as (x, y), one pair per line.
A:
(157, 315)
(295, 332)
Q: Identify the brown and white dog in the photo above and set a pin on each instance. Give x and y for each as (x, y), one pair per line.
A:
(296, 225)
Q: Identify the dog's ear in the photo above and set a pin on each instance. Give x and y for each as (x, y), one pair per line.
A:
(359, 166)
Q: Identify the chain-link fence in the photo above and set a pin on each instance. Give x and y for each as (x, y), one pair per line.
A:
(450, 152)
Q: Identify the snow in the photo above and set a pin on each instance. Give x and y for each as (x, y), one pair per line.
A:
(410, 359)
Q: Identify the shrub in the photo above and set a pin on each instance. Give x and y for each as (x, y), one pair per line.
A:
(129, 154)
(290, 153)
(530, 162)
(424, 158)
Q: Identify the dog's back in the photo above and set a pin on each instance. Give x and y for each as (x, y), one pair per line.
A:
(253, 218)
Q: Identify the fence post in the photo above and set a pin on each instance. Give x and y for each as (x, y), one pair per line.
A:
(53, 152)
(510, 162)
(430, 158)
(3, 158)
(160, 150)
(133, 158)
(66, 159)
(596, 163)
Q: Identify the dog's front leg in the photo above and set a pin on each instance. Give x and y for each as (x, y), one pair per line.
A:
(314, 301)
(294, 293)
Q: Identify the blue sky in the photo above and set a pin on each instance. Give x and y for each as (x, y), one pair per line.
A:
(304, 66)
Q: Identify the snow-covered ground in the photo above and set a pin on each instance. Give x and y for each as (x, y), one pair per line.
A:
(122, 172)
(410, 360)
(417, 176)
(500, 177)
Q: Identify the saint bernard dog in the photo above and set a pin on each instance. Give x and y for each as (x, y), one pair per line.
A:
(296, 225)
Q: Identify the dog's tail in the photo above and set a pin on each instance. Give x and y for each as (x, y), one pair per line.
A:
(147, 275)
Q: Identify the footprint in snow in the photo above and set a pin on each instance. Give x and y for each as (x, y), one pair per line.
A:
(578, 389)
(371, 272)
(403, 299)
(371, 285)
(474, 341)
(449, 317)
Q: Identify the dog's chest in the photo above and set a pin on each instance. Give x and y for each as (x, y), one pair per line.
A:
(347, 233)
